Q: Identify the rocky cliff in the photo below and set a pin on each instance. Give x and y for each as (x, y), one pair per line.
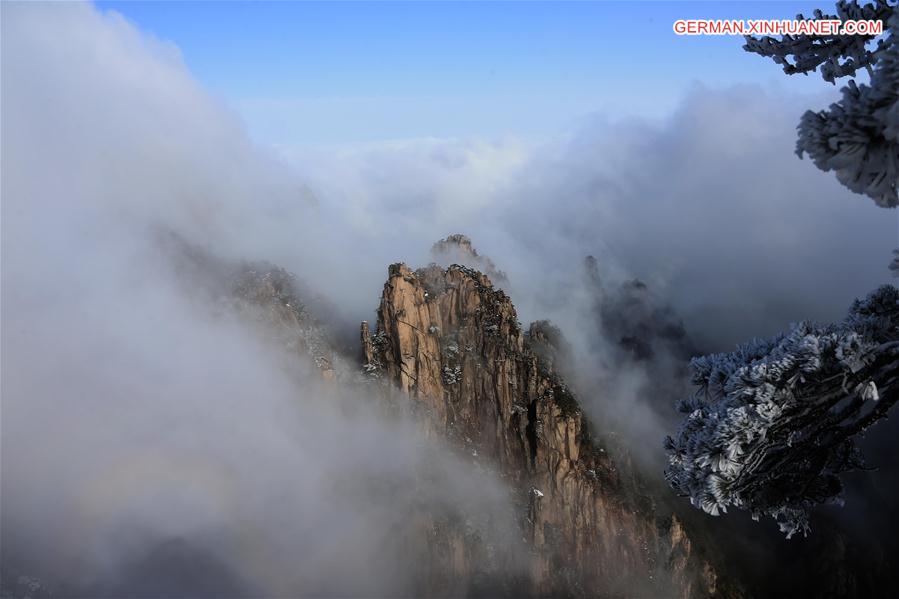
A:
(452, 342)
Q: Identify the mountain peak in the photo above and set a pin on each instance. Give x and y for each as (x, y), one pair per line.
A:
(458, 249)
(452, 343)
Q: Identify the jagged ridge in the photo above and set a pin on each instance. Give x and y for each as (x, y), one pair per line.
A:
(453, 343)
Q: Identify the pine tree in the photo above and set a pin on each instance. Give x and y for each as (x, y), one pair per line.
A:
(858, 136)
(773, 423)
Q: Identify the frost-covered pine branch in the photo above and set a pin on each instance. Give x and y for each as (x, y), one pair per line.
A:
(858, 136)
(836, 55)
(773, 423)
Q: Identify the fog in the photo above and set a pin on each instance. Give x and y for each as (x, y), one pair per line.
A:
(710, 206)
(142, 427)
(153, 443)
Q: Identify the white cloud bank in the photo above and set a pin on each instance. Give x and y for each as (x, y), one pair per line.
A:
(152, 446)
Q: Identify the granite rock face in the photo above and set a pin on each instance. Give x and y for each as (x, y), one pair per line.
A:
(452, 343)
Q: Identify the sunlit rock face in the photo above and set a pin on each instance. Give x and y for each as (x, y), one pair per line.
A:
(452, 342)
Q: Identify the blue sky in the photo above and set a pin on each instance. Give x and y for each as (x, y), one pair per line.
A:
(311, 73)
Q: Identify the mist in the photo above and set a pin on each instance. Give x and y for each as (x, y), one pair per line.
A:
(709, 206)
(143, 426)
(731, 232)
(155, 443)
